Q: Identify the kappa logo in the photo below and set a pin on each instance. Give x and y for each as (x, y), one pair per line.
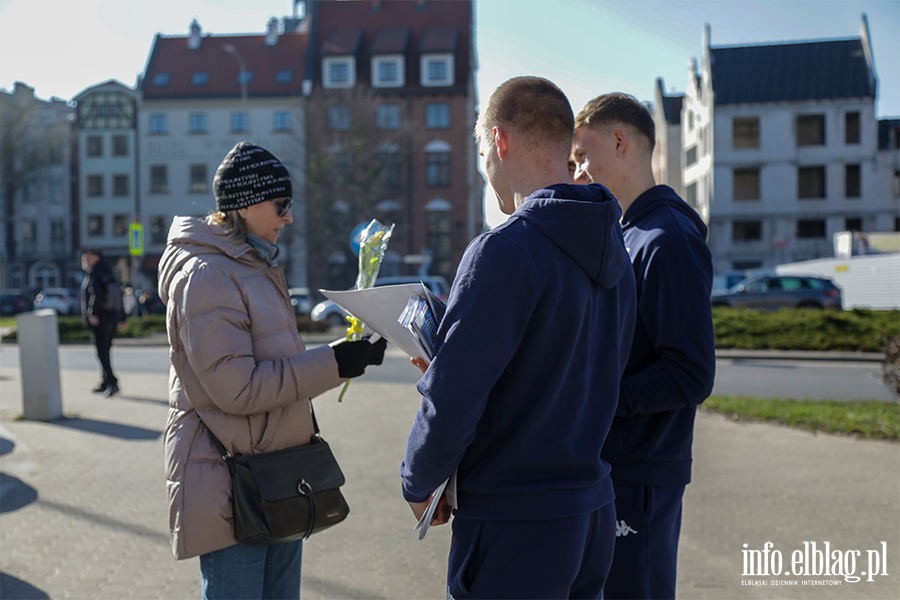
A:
(623, 529)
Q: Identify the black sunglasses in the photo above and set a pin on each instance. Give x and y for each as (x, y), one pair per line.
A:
(283, 206)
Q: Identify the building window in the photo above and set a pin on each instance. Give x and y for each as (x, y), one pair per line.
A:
(387, 71)
(339, 72)
(811, 130)
(120, 225)
(437, 70)
(238, 122)
(120, 145)
(159, 179)
(57, 235)
(95, 225)
(746, 231)
(691, 196)
(197, 123)
(161, 80)
(339, 118)
(95, 186)
(157, 124)
(281, 121)
(853, 224)
(851, 128)
(852, 183)
(29, 237)
(439, 236)
(437, 169)
(199, 180)
(811, 182)
(389, 161)
(159, 230)
(690, 157)
(200, 78)
(120, 185)
(811, 228)
(56, 191)
(388, 116)
(746, 184)
(284, 76)
(437, 116)
(745, 132)
(94, 145)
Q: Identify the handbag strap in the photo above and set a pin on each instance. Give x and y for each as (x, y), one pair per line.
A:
(226, 454)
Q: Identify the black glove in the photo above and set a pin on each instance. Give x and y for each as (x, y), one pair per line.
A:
(353, 357)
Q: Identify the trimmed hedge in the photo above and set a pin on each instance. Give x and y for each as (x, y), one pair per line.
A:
(855, 330)
(71, 329)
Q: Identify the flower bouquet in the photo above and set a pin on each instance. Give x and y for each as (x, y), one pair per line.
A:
(373, 242)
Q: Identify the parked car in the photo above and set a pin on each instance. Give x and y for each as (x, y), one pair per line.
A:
(776, 292)
(334, 314)
(65, 301)
(13, 302)
(301, 301)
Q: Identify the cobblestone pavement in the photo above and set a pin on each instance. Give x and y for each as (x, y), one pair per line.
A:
(83, 508)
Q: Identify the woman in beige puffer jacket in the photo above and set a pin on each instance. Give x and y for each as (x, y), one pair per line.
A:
(237, 363)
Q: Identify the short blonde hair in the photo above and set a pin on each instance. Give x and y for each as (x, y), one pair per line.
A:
(234, 225)
(617, 107)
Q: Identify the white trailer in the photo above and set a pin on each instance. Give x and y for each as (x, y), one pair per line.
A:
(871, 281)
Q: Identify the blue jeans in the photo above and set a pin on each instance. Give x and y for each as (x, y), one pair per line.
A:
(243, 572)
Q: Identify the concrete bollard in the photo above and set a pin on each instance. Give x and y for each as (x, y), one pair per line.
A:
(38, 336)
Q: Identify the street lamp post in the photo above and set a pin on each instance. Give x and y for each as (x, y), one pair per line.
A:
(230, 49)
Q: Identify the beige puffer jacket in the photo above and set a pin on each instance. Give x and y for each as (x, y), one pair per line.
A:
(238, 361)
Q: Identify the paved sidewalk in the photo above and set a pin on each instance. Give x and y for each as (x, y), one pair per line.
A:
(83, 507)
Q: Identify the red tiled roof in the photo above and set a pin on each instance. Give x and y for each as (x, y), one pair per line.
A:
(444, 16)
(439, 39)
(342, 41)
(171, 55)
(389, 41)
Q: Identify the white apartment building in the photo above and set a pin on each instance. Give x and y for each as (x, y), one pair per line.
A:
(201, 95)
(36, 236)
(106, 200)
(781, 150)
(667, 151)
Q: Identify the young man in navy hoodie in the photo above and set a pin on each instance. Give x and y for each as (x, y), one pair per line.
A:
(672, 363)
(529, 356)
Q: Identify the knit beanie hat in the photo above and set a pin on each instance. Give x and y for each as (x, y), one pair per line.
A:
(248, 175)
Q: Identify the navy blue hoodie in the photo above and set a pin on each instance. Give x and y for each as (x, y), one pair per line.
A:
(673, 358)
(523, 387)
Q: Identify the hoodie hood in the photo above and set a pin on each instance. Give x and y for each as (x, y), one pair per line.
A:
(583, 221)
(190, 237)
(662, 194)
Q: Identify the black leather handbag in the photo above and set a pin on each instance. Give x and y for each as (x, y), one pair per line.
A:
(285, 495)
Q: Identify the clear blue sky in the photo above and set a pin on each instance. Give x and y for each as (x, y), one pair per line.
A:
(588, 47)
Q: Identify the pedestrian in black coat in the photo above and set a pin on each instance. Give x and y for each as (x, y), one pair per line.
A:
(102, 312)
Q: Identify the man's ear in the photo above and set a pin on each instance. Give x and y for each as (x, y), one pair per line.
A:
(622, 141)
(501, 142)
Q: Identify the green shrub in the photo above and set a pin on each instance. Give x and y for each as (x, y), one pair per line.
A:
(856, 330)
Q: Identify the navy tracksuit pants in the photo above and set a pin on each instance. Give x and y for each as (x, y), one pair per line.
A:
(552, 558)
(648, 523)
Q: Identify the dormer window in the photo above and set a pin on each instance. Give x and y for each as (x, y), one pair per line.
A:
(387, 71)
(161, 79)
(200, 78)
(437, 70)
(339, 72)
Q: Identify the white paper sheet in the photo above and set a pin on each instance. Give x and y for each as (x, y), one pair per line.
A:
(379, 308)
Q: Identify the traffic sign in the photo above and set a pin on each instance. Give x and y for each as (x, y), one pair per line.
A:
(136, 239)
(354, 237)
